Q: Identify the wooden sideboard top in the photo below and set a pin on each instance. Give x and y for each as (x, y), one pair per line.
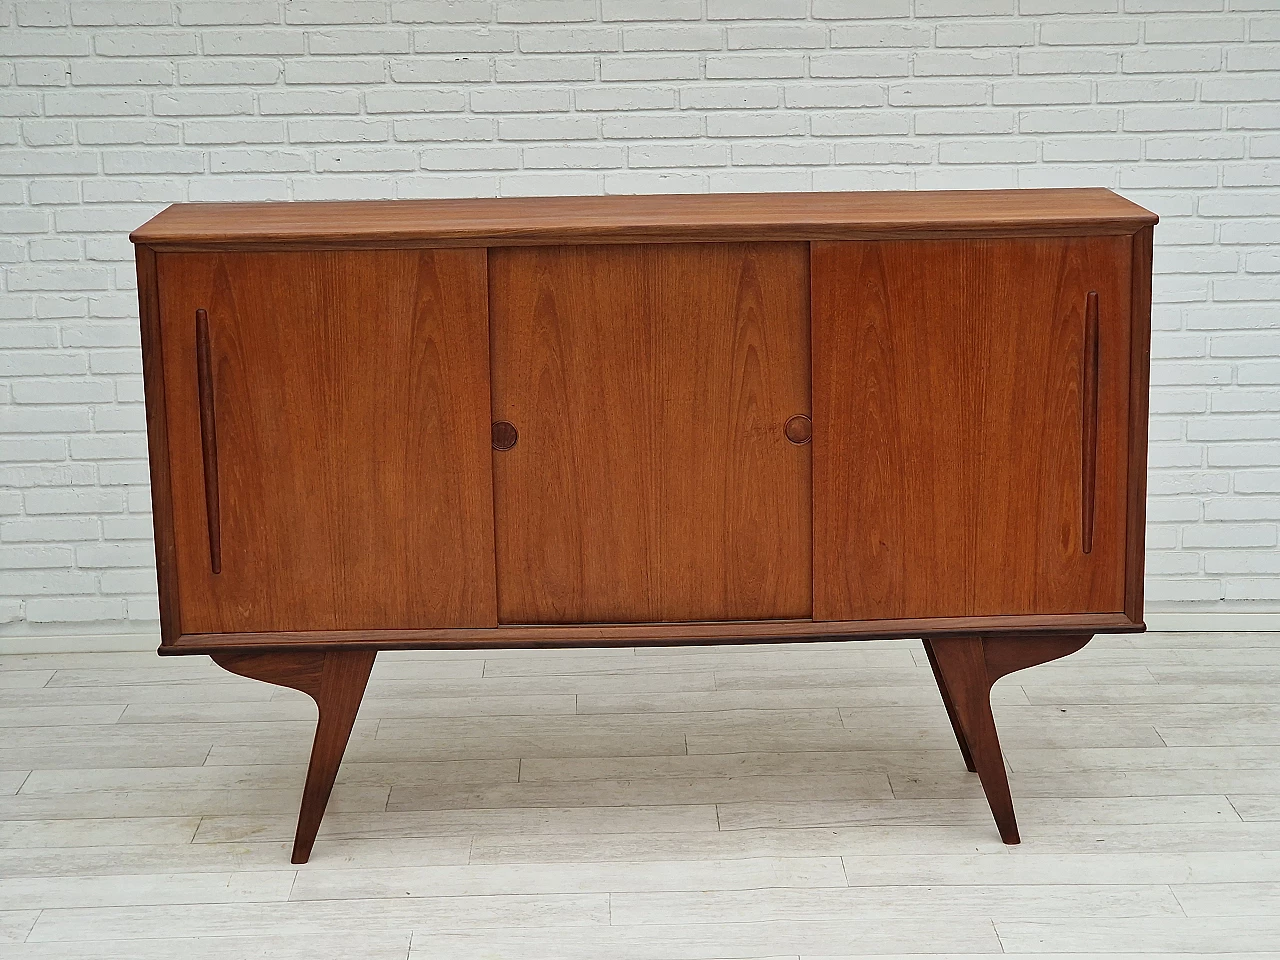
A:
(637, 219)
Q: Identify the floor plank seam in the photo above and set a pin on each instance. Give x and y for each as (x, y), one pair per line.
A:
(995, 929)
(1235, 809)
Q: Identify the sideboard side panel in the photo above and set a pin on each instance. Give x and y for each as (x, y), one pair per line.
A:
(348, 392)
(158, 445)
(650, 386)
(1139, 406)
(949, 440)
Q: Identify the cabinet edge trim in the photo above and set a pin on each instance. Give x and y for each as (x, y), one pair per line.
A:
(640, 235)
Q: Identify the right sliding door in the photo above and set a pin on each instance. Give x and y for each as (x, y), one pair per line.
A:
(970, 416)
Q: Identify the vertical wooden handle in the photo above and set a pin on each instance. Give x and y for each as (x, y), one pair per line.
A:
(208, 438)
(1089, 424)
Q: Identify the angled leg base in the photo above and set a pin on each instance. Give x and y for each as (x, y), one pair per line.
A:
(966, 668)
(951, 709)
(335, 680)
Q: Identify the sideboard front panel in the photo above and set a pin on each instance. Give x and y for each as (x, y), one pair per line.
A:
(650, 387)
(346, 403)
(955, 471)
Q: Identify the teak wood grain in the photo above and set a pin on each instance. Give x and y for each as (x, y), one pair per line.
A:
(650, 387)
(948, 428)
(727, 218)
(351, 398)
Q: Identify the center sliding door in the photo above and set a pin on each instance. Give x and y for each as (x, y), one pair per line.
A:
(644, 469)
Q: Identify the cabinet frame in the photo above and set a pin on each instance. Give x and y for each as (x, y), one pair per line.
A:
(174, 641)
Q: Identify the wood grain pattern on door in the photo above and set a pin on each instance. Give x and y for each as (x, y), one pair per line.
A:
(347, 394)
(650, 387)
(952, 389)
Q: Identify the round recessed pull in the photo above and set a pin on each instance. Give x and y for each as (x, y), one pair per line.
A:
(799, 429)
(504, 435)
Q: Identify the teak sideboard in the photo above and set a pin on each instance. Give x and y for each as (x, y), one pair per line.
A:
(647, 420)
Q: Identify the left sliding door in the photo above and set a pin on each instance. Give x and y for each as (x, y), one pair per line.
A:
(329, 439)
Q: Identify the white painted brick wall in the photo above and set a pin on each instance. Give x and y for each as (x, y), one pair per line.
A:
(109, 110)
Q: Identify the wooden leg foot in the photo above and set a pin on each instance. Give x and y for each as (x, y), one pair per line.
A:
(966, 668)
(335, 680)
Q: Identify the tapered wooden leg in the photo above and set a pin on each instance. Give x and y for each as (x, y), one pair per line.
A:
(966, 669)
(335, 680)
(951, 710)
(963, 668)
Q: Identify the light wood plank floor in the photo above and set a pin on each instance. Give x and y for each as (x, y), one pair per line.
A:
(674, 804)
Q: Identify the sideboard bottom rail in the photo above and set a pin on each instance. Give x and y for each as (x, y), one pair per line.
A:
(535, 636)
(965, 666)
